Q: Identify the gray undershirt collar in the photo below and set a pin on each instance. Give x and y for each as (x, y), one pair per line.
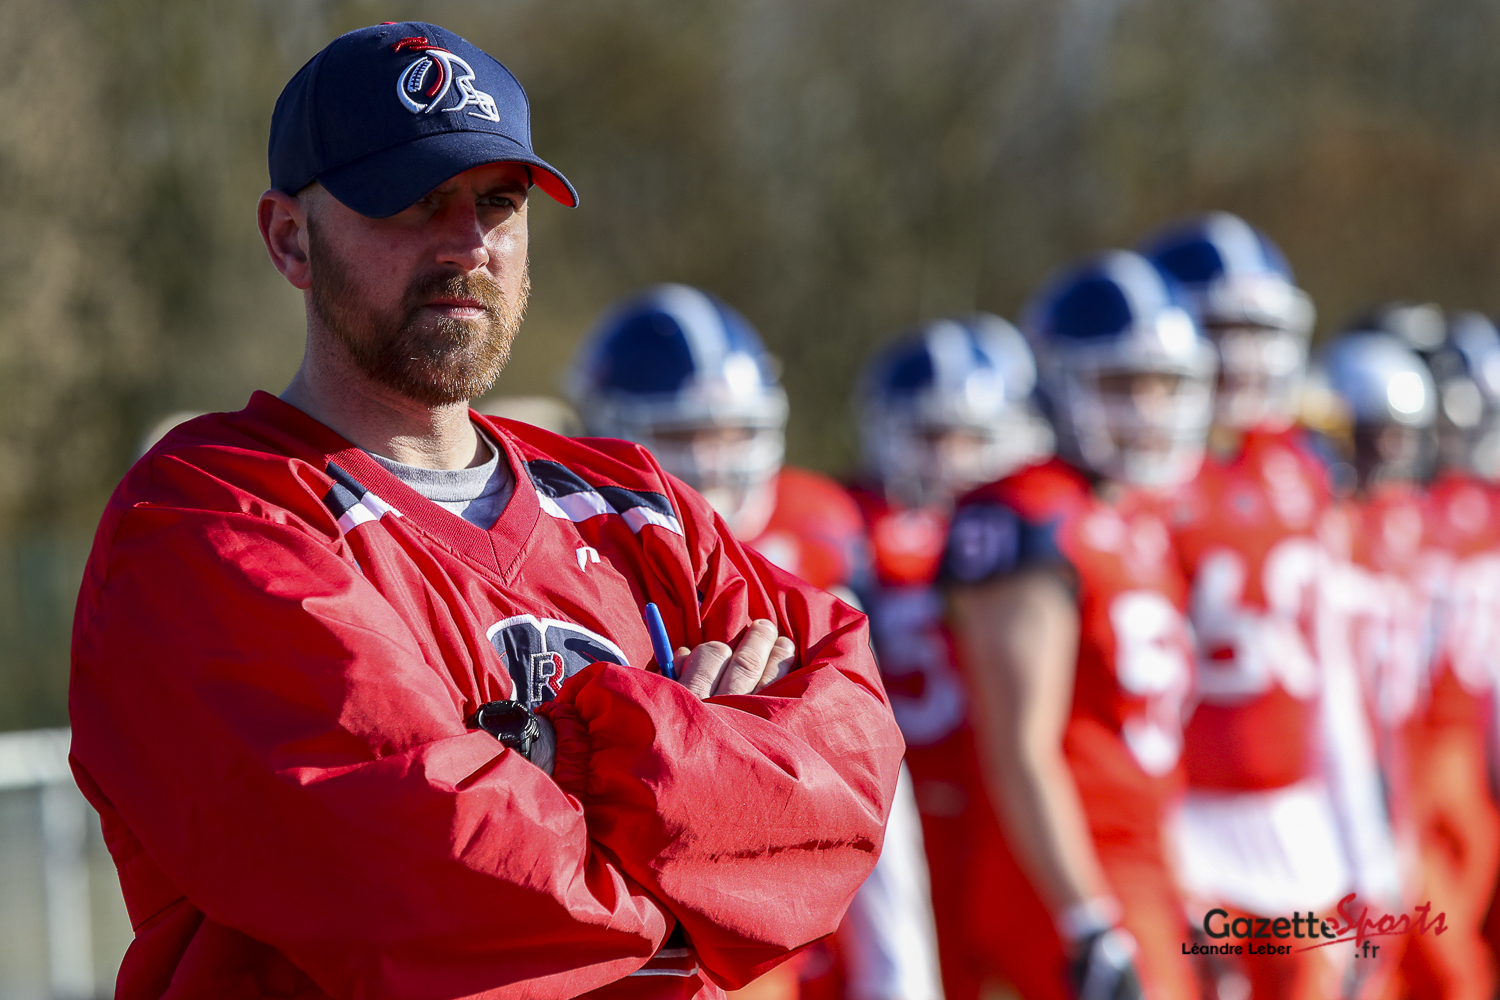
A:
(477, 495)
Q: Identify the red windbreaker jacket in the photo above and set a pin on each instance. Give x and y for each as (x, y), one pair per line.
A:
(277, 644)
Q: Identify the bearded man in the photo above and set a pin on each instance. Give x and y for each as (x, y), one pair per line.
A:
(361, 686)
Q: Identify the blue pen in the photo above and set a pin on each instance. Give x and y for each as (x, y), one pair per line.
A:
(660, 644)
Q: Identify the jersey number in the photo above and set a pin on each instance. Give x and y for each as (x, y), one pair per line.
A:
(1245, 650)
(1151, 663)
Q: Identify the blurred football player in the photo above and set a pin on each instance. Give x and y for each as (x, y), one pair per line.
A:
(941, 410)
(1379, 537)
(1258, 831)
(1069, 611)
(1453, 810)
(677, 370)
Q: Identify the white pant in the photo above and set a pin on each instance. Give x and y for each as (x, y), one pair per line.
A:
(1267, 853)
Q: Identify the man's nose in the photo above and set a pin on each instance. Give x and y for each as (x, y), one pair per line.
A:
(461, 237)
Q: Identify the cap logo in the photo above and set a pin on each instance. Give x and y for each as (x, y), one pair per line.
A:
(428, 79)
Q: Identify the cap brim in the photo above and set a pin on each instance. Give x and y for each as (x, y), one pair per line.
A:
(384, 183)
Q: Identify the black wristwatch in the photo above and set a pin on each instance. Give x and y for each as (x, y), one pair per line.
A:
(510, 722)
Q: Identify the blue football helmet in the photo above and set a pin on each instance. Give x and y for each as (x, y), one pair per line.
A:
(948, 407)
(1245, 298)
(1462, 353)
(1126, 371)
(1466, 371)
(1389, 398)
(678, 371)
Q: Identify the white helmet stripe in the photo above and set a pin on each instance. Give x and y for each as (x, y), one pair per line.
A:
(952, 357)
(1237, 244)
(1145, 292)
(701, 324)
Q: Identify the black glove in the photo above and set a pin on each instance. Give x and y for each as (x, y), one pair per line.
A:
(1103, 966)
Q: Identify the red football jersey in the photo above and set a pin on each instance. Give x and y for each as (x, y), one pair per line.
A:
(959, 830)
(906, 618)
(1391, 635)
(1134, 669)
(815, 530)
(276, 648)
(1461, 577)
(1451, 798)
(1245, 531)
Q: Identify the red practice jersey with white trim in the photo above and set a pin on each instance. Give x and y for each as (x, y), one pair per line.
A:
(1123, 740)
(277, 645)
(1245, 531)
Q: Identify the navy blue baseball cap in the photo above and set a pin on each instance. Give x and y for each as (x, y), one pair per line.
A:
(385, 114)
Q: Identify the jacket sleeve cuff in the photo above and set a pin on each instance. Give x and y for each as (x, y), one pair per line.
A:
(570, 767)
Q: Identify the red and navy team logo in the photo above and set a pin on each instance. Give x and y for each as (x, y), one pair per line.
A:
(433, 75)
(541, 653)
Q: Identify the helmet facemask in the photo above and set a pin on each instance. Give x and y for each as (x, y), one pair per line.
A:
(949, 408)
(733, 466)
(1143, 426)
(1468, 428)
(1260, 324)
(1260, 376)
(1389, 393)
(726, 444)
(1136, 408)
(1390, 452)
(1467, 373)
(926, 462)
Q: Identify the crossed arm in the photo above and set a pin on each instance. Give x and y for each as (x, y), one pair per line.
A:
(714, 668)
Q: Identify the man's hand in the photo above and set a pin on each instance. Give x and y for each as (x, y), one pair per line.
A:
(762, 657)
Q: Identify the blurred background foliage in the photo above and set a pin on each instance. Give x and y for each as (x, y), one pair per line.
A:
(838, 170)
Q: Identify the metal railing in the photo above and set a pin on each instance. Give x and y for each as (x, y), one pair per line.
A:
(61, 919)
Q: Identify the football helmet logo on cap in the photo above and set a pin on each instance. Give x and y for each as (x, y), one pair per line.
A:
(447, 72)
(1125, 370)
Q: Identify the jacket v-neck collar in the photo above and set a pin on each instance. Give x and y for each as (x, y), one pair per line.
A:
(500, 550)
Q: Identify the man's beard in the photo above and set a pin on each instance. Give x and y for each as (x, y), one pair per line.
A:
(435, 361)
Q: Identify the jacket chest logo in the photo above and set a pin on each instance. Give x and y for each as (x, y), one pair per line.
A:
(541, 653)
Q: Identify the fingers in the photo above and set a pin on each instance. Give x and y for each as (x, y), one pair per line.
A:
(762, 657)
(741, 675)
(700, 668)
(782, 661)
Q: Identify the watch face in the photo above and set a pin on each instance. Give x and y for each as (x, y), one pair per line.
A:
(510, 722)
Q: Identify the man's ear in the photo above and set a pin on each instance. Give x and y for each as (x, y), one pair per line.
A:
(283, 226)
